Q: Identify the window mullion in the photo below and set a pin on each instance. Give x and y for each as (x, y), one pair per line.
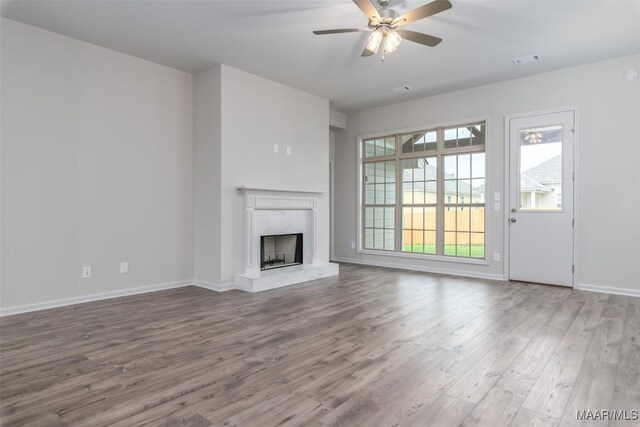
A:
(440, 195)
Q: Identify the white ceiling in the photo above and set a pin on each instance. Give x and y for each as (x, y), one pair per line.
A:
(274, 39)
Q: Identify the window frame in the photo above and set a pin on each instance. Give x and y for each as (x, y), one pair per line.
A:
(439, 152)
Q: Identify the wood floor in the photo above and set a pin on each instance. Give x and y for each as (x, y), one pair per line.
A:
(376, 347)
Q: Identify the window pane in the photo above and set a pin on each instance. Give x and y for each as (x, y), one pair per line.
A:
(407, 218)
(450, 136)
(407, 143)
(390, 146)
(430, 218)
(380, 147)
(378, 217)
(429, 242)
(430, 192)
(370, 193)
(407, 169)
(418, 241)
(418, 218)
(368, 217)
(462, 244)
(418, 193)
(477, 218)
(389, 240)
(477, 190)
(451, 191)
(450, 167)
(390, 194)
(431, 168)
(368, 238)
(477, 245)
(477, 165)
(369, 148)
(462, 219)
(378, 238)
(464, 137)
(390, 171)
(418, 142)
(407, 193)
(406, 240)
(464, 166)
(450, 244)
(464, 191)
(541, 168)
(477, 134)
(369, 173)
(389, 218)
(380, 194)
(430, 139)
(450, 219)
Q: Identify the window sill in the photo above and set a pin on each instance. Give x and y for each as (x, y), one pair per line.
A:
(473, 261)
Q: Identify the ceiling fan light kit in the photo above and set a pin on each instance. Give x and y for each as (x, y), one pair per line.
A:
(384, 24)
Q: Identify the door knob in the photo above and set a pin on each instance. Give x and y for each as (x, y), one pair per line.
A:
(513, 220)
(513, 210)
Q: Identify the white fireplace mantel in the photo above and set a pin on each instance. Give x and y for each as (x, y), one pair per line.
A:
(277, 211)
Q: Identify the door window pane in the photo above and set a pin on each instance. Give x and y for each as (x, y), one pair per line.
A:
(541, 168)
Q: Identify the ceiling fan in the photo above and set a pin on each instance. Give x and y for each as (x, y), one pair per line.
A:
(385, 23)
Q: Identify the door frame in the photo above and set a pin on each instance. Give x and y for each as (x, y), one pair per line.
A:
(506, 199)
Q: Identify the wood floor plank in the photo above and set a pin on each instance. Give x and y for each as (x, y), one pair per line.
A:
(553, 388)
(375, 347)
(500, 404)
(593, 391)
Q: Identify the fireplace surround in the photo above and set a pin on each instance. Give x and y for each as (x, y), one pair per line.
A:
(270, 212)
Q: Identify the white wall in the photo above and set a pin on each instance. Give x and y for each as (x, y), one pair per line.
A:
(97, 160)
(207, 176)
(256, 114)
(609, 109)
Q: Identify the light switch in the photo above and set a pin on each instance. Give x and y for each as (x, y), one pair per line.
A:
(288, 151)
(496, 197)
(496, 206)
(276, 148)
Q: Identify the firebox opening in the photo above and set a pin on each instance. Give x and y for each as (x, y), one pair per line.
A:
(282, 250)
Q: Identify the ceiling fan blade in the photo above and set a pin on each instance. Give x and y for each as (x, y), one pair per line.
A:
(421, 12)
(367, 52)
(368, 9)
(424, 39)
(340, 30)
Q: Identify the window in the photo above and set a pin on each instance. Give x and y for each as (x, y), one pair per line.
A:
(429, 186)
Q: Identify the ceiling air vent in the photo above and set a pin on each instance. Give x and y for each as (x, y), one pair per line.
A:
(525, 59)
(401, 89)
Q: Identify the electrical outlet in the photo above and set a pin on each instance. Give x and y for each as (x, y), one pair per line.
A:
(288, 151)
(86, 271)
(496, 206)
(124, 267)
(496, 256)
(276, 148)
(353, 245)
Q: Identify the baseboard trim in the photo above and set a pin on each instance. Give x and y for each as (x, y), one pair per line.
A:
(26, 308)
(608, 290)
(218, 287)
(447, 271)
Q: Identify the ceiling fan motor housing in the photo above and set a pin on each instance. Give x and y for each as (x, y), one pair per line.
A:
(386, 18)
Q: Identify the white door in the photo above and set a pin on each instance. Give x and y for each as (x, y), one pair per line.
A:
(541, 186)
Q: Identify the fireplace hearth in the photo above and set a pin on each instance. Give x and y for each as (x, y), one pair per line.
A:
(281, 250)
